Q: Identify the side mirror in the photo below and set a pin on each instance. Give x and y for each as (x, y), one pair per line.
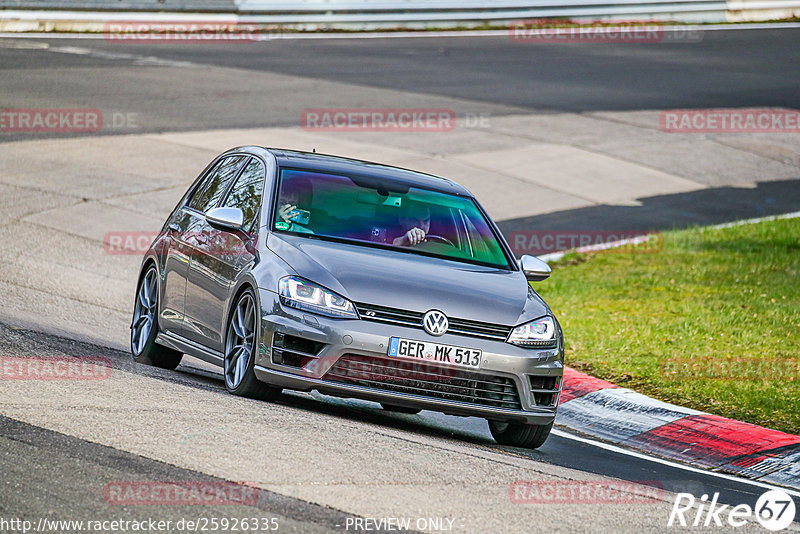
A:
(225, 218)
(535, 269)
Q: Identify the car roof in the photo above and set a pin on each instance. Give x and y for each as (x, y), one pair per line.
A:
(355, 167)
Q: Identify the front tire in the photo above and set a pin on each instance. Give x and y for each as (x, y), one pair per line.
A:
(240, 343)
(144, 327)
(520, 434)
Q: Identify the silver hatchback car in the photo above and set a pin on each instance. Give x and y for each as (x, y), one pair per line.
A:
(303, 271)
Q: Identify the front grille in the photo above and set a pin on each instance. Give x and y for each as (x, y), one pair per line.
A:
(425, 380)
(382, 314)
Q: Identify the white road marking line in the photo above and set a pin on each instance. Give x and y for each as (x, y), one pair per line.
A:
(405, 34)
(620, 450)
(137, 59)
(638, 240)
(554, 256)
(506, 32)
(22, 45)
(793, 215)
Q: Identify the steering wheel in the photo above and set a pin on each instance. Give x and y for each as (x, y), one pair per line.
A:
(438, 239)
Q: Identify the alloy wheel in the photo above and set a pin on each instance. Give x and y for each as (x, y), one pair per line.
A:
(240, 341)
(144, 311)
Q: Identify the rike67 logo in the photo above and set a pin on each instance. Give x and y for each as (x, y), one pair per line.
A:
(774, 510)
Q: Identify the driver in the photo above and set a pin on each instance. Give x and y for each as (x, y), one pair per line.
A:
(294, 204)
(416, 223)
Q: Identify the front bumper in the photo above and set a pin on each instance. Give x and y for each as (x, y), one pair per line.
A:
(344, 340)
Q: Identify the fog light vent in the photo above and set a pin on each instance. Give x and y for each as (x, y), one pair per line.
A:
(294, 351)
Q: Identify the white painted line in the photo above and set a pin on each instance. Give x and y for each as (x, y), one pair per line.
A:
(17, 15)
(793, 215)
(53, 35)
(142, 61)
(638, 240)
(22, 45)
(160, 17)
(505, 33)
(620, 450)
(554, 256)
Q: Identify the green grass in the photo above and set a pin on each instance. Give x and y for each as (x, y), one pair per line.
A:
(710, 322)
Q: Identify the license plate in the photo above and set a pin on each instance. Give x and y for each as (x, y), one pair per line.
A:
(425, 351)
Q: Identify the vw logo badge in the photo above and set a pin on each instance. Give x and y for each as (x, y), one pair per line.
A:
(435, 323)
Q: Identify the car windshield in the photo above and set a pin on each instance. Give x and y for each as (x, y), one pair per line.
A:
(369, 211)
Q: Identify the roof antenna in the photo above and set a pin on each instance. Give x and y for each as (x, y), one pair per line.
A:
(314, 150)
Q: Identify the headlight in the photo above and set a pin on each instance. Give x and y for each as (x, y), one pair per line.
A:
(538, 333)
(304, 295)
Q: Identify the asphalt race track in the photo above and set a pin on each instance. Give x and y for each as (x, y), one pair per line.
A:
(56, 475)
(750, 68)
(586, 112)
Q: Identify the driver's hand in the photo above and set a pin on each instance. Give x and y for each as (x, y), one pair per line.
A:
(415, 236)
(283, 213)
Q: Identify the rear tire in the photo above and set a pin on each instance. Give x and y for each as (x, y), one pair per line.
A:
(400, 409)
(241, 341)
(144, 327)
(519, 434)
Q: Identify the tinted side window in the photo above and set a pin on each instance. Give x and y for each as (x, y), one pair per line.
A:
(198, 190)
(246, 193)
(216, 183)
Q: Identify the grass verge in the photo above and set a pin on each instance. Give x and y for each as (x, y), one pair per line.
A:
(709, 322)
